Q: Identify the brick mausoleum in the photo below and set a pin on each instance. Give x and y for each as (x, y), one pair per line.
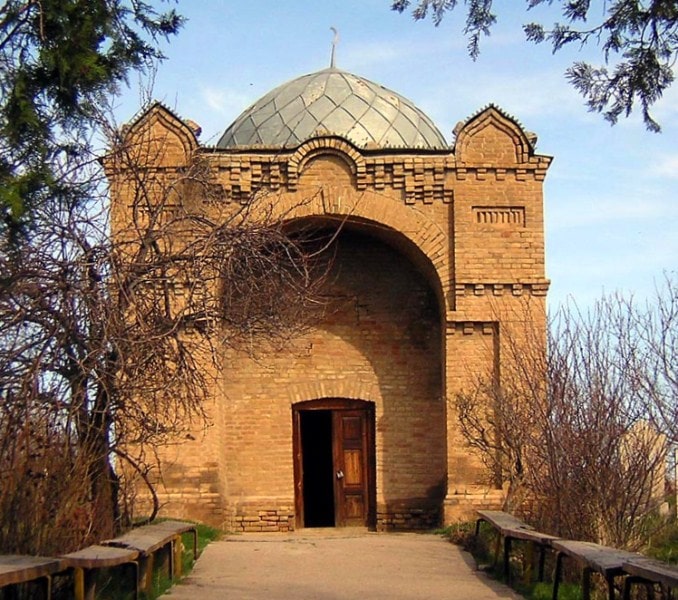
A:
(441, 246)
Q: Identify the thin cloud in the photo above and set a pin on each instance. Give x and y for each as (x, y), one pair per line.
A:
(589, 211)
(529, 97)
(632, 266)
(370, 53)
(218, 108)
(382, 52)
(666, 166)
(644, 257)
(224, 101)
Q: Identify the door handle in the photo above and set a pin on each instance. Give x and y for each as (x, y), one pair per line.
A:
(340, 474)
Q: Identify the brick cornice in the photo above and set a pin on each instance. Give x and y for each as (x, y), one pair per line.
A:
(467, 327)
(533, 288)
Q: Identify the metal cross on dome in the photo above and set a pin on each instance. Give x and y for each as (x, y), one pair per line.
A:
(335, 41)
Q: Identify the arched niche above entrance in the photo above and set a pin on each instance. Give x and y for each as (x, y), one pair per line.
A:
(327, 169)
(338, 153)
(397, 240)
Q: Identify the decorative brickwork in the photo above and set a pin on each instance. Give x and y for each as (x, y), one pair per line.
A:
(440, 249)
(497, 216)
(251, 518)
(422, 179)
(404, 518)
(500, 289)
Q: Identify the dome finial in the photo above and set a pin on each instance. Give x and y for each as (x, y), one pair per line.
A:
(335, 41)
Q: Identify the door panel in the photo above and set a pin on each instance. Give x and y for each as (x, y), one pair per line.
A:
(354, 510)
(353, 426)
(353, 467)
(350, 452)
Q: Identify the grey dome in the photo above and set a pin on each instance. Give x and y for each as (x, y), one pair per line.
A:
(336, 102)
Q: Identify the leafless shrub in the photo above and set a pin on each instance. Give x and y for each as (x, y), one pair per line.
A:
(579, 434)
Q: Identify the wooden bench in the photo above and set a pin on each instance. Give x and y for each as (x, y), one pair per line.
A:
(178, 528)
(511, 528)
(87, 561)
(161, 539)
(18, 569)
(609, 562)
(649, 572)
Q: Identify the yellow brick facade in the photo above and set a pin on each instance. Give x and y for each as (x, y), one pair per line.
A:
(439, 251)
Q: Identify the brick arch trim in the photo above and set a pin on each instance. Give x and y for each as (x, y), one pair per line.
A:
(493, 117)
(159, 115)
(333, 404)
(334, 388)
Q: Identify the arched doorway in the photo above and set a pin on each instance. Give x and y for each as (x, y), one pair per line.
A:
(378, 337)
(334, 463)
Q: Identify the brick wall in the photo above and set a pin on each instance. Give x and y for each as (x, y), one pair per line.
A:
(441, 250)
(380, 332)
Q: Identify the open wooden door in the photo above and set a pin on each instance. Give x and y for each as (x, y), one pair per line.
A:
(350, 464)
(334, 454)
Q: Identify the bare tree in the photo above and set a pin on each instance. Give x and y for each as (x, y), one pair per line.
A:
(580, 434)
(109, 345)
(657, 330)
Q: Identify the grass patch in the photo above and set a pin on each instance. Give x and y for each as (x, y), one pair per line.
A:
(663, 545)
(443, 531)
(206, 535)
(481, 546)
(544, 591)
(161, 581)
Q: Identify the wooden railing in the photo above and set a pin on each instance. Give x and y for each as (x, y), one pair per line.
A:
(140, 552)
(611, 563)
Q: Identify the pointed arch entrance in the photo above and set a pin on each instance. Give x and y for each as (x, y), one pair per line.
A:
(334, 463)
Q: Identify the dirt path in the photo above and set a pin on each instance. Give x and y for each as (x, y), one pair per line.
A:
(336, 566)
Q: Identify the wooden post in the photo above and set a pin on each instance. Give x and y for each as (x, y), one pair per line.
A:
(528, 563)
(586, 584)
(610, 587)
(146, 573)
(507, 558)
(79, 583)
(557, 573)
(85, 582)
(542, 561)
(497, 547)
(178, 547)
(164, 559)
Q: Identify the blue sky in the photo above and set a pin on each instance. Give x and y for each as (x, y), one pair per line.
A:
(611, 195)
